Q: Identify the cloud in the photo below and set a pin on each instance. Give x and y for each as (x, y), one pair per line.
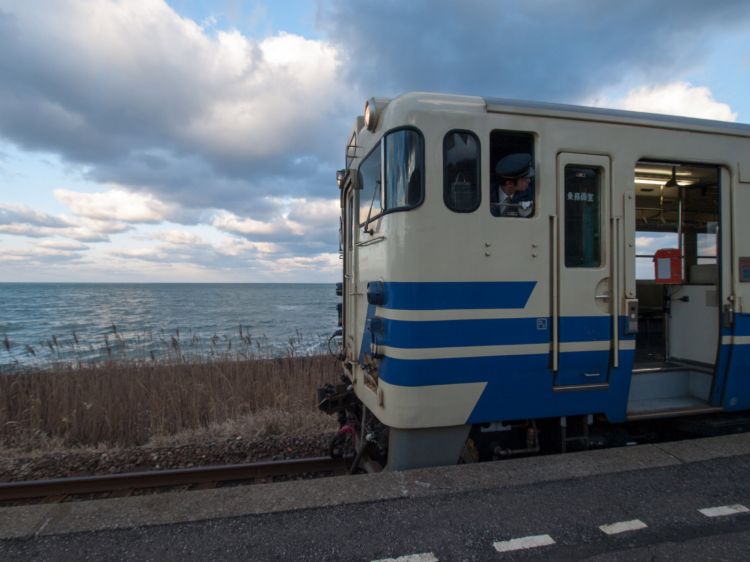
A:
(231, 246)
(318, 212)
(115, 205)
(648, 244)
(678, 98)
(64, 245)
(229, 222)
(147, 254)
(537, 49)
(22, 215)
(645, 242)
(20, 220)
(40, 255)
(181, 238)
(177, 246)
(162, 102)
(325, 262)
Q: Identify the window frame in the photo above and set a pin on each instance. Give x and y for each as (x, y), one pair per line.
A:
(381, 145)
(360, 187)
(478, 166)
(534, 138)
(600, 223)
(384, 160)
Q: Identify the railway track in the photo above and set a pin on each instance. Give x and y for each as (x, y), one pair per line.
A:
(124, 484)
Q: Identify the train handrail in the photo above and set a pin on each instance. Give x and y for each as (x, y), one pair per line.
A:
(555, 292)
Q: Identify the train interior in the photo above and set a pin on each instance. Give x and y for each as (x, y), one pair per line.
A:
(677, 286)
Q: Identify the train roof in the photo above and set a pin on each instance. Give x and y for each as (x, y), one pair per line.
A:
(448, 102)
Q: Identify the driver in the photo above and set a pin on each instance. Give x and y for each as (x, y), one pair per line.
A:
(514, 198)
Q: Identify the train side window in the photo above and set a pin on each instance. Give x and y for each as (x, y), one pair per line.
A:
(461, 171)
(369, 183)
(512, 181)
(646, 244)
(583, 233)
(404, 169)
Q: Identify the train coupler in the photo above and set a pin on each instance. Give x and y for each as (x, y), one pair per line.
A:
(336, 398)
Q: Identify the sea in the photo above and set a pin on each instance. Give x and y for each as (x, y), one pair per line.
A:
(43, 324)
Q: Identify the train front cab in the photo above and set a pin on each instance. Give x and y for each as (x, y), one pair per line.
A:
(620, 296)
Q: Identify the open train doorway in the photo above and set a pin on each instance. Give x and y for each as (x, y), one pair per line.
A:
(678, 269)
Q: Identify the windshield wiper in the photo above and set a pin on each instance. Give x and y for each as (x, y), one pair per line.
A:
(369, 212)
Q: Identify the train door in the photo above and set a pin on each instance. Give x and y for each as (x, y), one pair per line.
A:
(682, 279)
(350, 245)
(727, 294)
(584, 309)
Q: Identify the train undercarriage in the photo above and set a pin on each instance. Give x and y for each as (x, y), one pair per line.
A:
(369, 446)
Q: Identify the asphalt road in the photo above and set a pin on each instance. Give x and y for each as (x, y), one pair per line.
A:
(660, 505)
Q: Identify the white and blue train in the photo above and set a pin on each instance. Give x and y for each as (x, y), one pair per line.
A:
(508, 263)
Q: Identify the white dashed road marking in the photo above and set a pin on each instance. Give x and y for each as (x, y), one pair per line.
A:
(623, 526)
(523, 543)
(535, 541)
(723, 510)
(424, 557)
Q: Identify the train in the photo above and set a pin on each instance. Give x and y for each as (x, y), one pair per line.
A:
(516, 271)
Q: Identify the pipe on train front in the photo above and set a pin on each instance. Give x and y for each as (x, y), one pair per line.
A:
(370, 446)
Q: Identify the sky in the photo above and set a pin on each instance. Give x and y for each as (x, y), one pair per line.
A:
(197, 141)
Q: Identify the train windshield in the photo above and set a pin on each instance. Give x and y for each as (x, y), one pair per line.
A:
(400, 155)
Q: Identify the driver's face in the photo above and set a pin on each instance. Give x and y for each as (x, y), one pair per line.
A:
(522, 184)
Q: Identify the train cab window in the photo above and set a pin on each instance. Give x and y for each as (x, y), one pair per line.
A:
(461, 171)
(583, 232)
(512, 183)
(369, 183)
(404, 169)
(401, 156)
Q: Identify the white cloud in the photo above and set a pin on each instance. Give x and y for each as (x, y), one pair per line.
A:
(268, 94)
(39, 254)
(181, 238)
(115, 205)
(322, 262)
(90, 230)
(229, 222)
(66, 245)
(231, 246)
(648, 244)
(184, 85)
(319, 212)
(149, 254)
(676, 98)
(23, 215)
(19, 220)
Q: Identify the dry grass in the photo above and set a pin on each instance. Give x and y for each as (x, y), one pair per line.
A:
(130, 403)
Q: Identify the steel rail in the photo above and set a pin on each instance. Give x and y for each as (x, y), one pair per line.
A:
(59, 488)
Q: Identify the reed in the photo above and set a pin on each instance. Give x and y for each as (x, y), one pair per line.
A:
(125, 403)
(114, 344)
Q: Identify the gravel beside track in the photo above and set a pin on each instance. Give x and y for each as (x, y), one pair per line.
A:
(63, 464)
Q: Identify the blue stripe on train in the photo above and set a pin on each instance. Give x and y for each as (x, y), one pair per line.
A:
(742, 325)
(733, 386)
(518, 387)
(527, 392)
(737, 391)
(402, 295)
(506, 331)
(457, 370)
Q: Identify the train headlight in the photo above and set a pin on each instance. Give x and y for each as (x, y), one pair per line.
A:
(371, 114)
